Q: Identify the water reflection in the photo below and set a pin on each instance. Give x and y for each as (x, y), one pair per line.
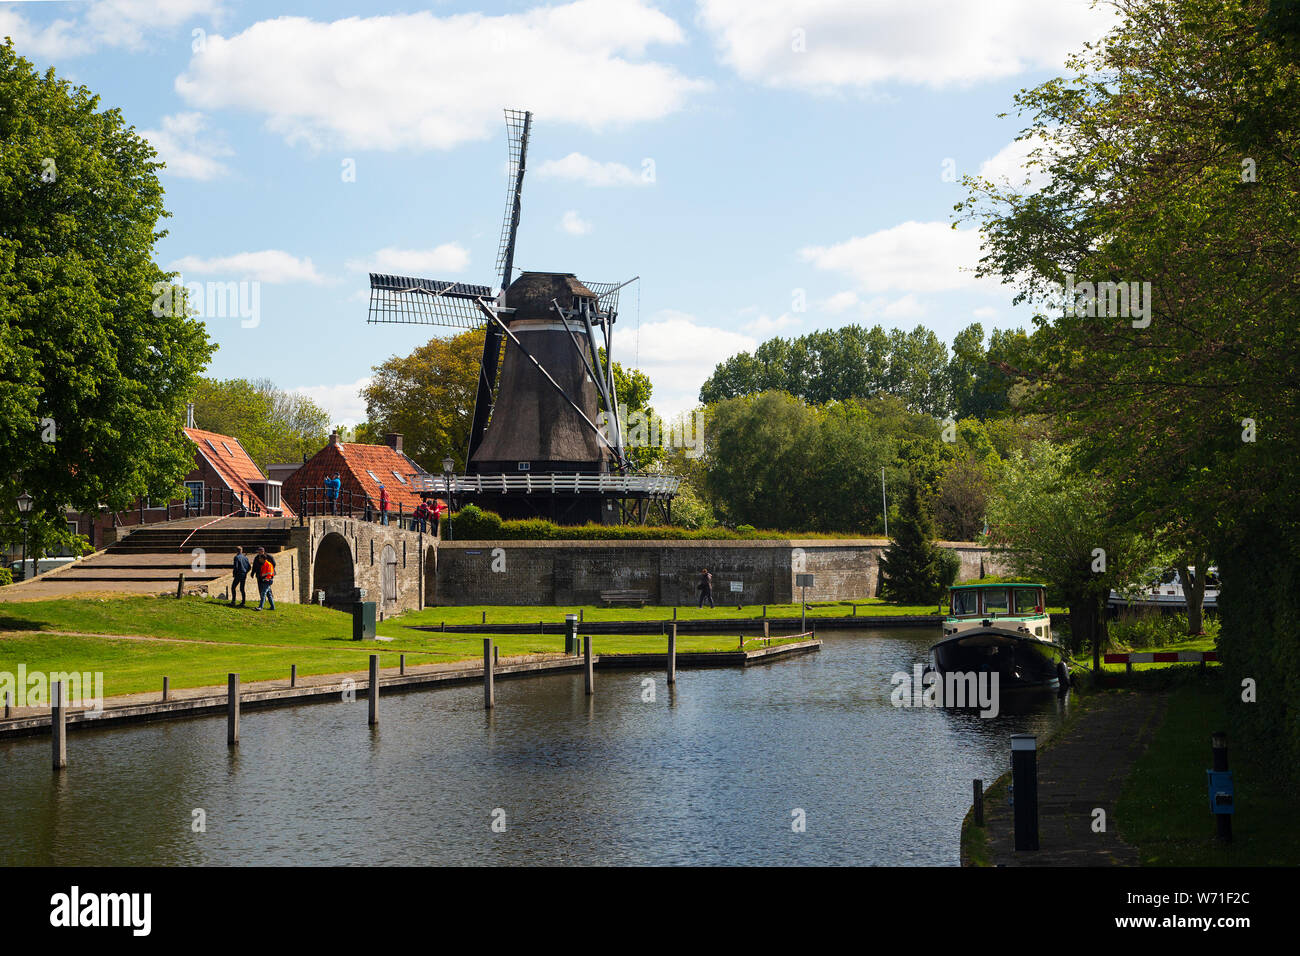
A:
(707, 773)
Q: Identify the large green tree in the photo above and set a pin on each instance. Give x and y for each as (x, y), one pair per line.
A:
(93, 377)
(273, 425)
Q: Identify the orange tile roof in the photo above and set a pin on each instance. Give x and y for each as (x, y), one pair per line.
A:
(361, 469)
(229, 460)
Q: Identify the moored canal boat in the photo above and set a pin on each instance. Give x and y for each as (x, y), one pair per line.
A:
(1001, 628)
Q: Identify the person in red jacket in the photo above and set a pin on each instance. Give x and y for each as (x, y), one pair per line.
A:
(383, 504)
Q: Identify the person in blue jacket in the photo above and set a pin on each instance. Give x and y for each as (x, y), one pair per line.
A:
(332, 487)
(241, 569)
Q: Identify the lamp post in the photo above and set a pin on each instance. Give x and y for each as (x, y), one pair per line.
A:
(24, 512)
(448, 469)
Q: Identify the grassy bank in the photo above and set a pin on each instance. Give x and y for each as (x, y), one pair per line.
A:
(196, 642)
(1164, 807)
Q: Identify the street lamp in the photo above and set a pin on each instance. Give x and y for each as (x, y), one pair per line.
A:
(24, 511)
(448, 469)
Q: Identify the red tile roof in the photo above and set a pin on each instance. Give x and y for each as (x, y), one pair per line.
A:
(361, 469)
(229, 460)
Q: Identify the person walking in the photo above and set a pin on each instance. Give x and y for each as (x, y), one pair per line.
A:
(383, 504)
(333, 485)
(421, 515)
(264, 572)
(241, 569)
(705, 587)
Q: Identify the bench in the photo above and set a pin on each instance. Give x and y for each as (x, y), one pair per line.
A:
(625, 596)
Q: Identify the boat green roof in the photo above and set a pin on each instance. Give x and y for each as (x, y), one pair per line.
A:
(997, 584)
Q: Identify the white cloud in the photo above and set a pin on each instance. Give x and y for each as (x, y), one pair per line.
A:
(909, 257)
(765, 325)
(1011, 165)
(860, 44)
(574, 224)
(343, 402)
(449, 257)
(269, 265)
(583, 169)
(102, 23)
(678, 354)
(985, 312)
(427, 82)
(840, 302)
(187, 155)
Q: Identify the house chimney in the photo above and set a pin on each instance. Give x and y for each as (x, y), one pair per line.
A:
(394, 441)
(334, 438)
(189, 414)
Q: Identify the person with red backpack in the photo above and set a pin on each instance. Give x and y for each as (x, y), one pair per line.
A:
(264, 572)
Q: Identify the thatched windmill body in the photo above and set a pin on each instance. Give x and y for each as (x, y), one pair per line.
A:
(536, 446)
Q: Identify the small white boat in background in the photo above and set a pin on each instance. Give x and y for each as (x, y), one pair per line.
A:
(1165, 592)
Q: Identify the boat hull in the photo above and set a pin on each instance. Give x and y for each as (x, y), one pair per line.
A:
(1021, 662)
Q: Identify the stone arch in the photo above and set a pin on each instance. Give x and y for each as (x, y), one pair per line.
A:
(333, 570)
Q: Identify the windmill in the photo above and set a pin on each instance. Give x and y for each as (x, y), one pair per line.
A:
(536, 445)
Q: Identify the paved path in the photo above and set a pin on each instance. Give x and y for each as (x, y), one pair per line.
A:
(1083, 768)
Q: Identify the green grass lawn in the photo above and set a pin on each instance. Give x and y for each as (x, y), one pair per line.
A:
(500, 614)
(219, 639)
(1164, 807)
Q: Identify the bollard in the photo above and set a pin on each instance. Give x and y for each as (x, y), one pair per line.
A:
(1024, 777)
(232, 710)
(855, 614)
(586, 657)
(180, 585)
(979, 802)
(496, 656)
(767, 632)
(764, 610)
(580, 615)
(571, 632)
(672, 655)
(401, 665)
(1219, 749)
(166, 687)
(372, 695)
(59, 726)
(293, 675)
(674, 614)
(484, 621)
(6, 705)
(489, 689)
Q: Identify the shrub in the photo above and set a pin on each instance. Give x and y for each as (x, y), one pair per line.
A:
(6, 577)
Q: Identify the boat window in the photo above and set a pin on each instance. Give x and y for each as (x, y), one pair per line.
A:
(1027, 601)
(995, 602)
(965, 602)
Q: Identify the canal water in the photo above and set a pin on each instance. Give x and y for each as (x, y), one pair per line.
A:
(712, 772)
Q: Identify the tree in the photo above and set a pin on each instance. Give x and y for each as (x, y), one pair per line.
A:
(1051, 522)
(911, 568)
(93, 376)
(835, 366)
(273, 425)
(428, 396)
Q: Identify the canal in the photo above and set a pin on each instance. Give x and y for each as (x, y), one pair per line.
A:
(709, 773)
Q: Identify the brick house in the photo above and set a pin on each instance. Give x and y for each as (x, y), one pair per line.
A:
(361, 470)
(224, 480)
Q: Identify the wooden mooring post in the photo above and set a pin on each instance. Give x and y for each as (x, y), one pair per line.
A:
(166, 687)
(180, 585)
(232, 710)
(293, 675)
(372, 696)
(59, 726)
(489, 678)
(672, 655)
(401, 664)
(978, 787)
(590, 676)
(6, 705)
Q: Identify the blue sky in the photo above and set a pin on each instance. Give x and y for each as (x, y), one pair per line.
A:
(798, 151)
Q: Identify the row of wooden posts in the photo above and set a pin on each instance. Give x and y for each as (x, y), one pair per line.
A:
(491, 660)
(483, 618)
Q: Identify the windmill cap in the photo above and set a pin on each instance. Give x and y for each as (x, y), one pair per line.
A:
(531, 294)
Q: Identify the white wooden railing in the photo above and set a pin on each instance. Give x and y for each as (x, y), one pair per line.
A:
(527, 483)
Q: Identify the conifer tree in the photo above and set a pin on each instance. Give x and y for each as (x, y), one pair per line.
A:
(911, 568)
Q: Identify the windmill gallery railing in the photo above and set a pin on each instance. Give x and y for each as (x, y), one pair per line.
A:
(620, 486)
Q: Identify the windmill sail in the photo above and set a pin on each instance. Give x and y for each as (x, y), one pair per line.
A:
(518, 125)
(406, 300)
